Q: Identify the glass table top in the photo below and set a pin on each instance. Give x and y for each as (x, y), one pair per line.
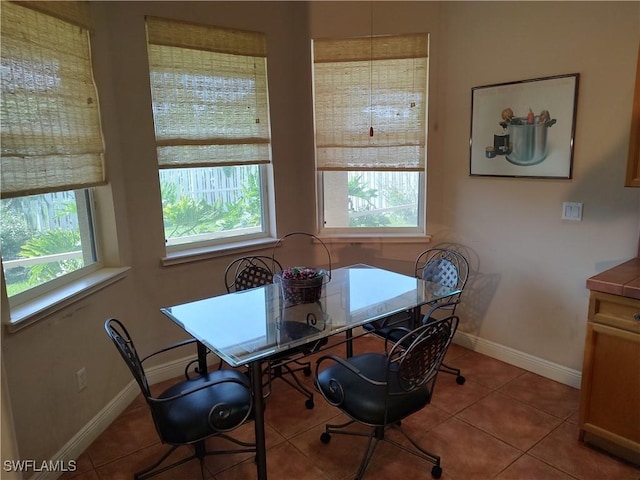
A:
(254, 324)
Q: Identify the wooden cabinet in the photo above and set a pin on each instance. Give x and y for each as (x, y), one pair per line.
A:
(610, 392)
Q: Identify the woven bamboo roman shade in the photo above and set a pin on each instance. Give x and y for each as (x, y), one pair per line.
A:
(209, 88)
(370, 102)
(51, 135)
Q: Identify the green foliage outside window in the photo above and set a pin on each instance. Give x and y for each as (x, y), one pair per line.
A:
(185, 215)
(246, 211)
(19, 239)
(358, 189)
(14, 232)
(50, 243)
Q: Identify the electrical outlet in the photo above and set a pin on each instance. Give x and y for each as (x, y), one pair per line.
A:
(81, 376)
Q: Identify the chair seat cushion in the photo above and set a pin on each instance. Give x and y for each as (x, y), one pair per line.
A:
(198, 415)
(364, 401)
(395, 332)
(377, 326)
(292, 331)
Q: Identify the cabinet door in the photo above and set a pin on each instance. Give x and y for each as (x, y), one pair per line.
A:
(610, 405)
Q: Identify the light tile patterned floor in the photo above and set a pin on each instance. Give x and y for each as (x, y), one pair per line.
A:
(504, 423)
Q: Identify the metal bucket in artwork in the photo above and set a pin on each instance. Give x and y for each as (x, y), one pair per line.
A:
(528, 141)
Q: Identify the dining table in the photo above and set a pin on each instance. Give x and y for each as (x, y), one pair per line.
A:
(248, 327)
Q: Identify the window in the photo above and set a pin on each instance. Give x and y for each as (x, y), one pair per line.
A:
(211, 115)
(52, 147)
(370, 106)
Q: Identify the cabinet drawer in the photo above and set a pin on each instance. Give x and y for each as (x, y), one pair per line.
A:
(615, 311)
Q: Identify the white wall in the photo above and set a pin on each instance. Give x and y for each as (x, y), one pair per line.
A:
(532, 265)
(527, 291)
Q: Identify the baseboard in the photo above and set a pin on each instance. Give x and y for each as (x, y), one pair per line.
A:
(544, 368)
(99, 423)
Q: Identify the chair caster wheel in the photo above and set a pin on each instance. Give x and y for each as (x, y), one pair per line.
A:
(307, 371)
(309, 404)
(436, 471)
(460, 380)
(325, 438)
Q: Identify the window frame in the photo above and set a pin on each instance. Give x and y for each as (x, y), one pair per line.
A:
(40, 302)
(219, 240)
(202, 38)
(398, 234)
(60, 282)
(408, 233)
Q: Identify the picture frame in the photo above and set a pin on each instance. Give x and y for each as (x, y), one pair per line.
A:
(524, 128)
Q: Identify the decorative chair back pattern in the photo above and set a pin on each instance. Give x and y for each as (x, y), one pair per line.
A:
(444, 267)
(250, 272)
(441, 271)
(418, 364)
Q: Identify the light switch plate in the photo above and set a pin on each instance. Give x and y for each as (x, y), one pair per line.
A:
(572, 211)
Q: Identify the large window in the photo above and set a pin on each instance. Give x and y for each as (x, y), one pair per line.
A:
(52, 147)
(370, 109)
(211, 116)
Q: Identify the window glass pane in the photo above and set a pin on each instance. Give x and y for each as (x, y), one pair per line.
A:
(44, 237)
(200, 204)
(371, 199)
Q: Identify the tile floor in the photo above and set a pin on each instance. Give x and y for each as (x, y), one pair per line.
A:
(504, 423)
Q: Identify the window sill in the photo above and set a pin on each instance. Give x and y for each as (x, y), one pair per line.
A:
(368, 238)
(205, 253)
(34, 310)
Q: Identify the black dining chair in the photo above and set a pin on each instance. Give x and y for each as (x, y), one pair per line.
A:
(254, 271)
(250, 272)
(192, 410)
(380, 390)
(442, 266)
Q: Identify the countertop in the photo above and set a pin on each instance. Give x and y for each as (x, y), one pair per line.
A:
(622, 280)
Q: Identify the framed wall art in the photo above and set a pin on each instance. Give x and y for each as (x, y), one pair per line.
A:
(524, 128)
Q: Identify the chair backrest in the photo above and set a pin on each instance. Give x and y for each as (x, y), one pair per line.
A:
(122, 340)
(445, 267)
(416, 358)
(250, 272)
